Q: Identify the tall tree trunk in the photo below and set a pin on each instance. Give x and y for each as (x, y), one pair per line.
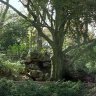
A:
(58, 68)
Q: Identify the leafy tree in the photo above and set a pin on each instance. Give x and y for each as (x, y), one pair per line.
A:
(12, 31)
(62, 18)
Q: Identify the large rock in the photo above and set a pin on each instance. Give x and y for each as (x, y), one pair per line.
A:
(38, 66)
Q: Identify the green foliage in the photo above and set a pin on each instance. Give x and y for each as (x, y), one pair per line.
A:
(5, 87)
(56, 89)
(67, 88)
(83, 58)
(15, 67)
(9, 68)
(29, 88)
(12, 31)
(15, 50)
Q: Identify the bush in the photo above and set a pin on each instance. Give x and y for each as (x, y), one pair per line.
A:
(30, 88)
(50, 89)
(67, 89)
(5, 87)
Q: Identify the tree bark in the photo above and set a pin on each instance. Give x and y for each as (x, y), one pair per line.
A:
(58, 68)
(59, 65)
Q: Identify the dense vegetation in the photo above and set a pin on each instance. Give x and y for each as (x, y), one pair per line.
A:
(29, 88)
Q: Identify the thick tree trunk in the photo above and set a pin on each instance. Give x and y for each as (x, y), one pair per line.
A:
(59, 59)
(58, 68)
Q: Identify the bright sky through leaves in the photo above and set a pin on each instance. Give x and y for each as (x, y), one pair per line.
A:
(16, 4)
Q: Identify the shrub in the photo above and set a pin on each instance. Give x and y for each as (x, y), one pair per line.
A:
(5, 87)
(30, 88)
(67, 88)
(25, 89)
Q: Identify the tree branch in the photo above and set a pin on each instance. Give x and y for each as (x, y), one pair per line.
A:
(4, 14)
(19, 13)
(44, 36)
(23, 16)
